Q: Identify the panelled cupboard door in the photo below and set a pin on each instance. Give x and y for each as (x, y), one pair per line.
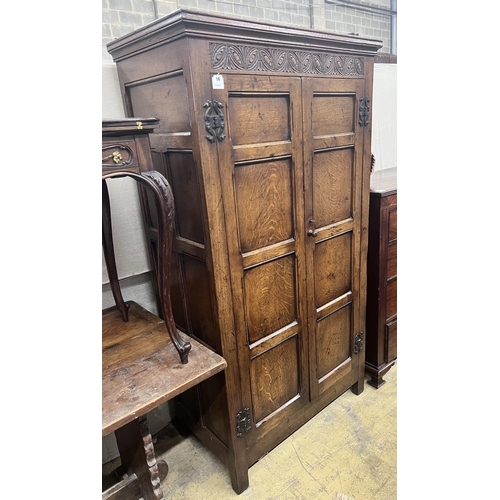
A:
(333, 150)
(261, 168)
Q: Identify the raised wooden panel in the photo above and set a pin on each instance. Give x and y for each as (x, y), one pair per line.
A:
(392, 260)
(333, 114)
(254, 119)
(165, 98)
(333, 340)
(213, 400)
(332, 185)
(392, 295)
(391, 341)
(264, 203)
(332, 268)
(393, 224)
(182, 175)
(270, 297)
(274, 377)
(199, 300)
(190, 400)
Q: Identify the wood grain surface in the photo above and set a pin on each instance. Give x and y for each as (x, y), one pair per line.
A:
(141, 368)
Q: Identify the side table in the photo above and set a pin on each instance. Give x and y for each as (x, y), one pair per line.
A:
(144, 357)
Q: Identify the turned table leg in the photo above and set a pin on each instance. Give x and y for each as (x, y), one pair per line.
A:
(137, 454)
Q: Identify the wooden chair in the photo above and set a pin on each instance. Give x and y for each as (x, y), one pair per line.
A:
(126, 161)
(144, 357)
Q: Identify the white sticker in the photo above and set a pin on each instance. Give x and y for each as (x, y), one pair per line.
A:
(217, 82)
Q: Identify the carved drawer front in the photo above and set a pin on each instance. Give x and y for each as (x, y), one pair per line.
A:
(119, 155)
(391, 341)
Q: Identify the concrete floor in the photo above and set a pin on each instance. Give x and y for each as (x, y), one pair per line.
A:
(346, 452)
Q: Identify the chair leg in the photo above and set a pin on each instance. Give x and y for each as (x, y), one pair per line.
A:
(109, 253)
(165, 206)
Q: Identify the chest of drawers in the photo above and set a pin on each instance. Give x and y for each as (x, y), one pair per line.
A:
(381, 314)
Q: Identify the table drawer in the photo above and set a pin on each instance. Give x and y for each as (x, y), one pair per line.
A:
(119, 155)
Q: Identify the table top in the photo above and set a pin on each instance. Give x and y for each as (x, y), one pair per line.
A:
(384, 182)
(141, 368)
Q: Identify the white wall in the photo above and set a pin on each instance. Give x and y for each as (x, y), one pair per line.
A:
(128, 234)
(384, 124)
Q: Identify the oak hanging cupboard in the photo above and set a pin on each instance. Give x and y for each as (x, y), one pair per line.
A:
(265, 138)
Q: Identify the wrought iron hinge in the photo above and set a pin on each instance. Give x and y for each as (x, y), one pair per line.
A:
(364, 111)
(214, 121)
(243, 424)
(358, 343)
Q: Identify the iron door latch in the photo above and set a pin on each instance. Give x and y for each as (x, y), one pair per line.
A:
(214, 121)
(243, 423)
(364, 111)
(358, 343)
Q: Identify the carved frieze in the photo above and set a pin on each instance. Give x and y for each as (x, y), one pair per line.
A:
(228, 56)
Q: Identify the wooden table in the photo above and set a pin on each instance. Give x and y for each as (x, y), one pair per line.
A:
(146, 361)
(141, 369)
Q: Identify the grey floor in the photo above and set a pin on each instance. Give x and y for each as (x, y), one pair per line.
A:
(346, 452)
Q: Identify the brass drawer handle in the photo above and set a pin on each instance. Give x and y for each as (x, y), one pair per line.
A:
(116, 155)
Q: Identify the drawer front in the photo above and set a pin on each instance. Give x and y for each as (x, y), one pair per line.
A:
(393, 224)
(391, 341)
(392, 264)
(391, 300)
(119, 155)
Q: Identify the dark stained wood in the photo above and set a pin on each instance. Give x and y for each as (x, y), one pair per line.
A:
(137, 455)
(271, 228)
(182, 172)
(381, 324)
(139, 474)
(392, 339)
(126, 489)
(136, 162)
